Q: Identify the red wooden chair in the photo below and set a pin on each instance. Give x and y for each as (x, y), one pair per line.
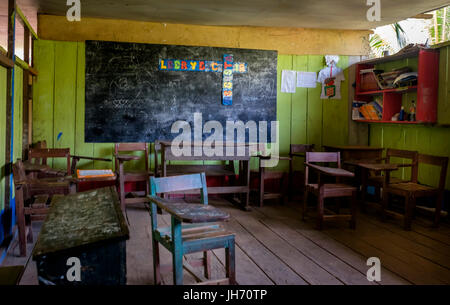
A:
(296, 150)
(124, 175)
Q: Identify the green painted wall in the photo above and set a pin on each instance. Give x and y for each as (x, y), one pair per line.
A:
(2, 135)
(434, 140)
(18, 120)
(18, 112)
(59, 104)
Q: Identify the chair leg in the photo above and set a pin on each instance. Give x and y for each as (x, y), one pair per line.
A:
(437, 215)
(354, 210)
(122, 187)
(207, 264)
(156, 263)
(30, 231)
(290, 180)
(305, 204)
(21, 225)
(230, 263)
(409, 208)
(320, 211)
(261, 186)
(177, 252)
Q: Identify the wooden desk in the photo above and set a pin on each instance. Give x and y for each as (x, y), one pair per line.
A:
(89, 226)
(356, 152)
(244, 168)
(365, 167)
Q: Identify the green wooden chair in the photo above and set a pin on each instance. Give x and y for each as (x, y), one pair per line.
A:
(199, 235)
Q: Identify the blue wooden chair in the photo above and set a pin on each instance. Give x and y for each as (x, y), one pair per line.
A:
(196, 236)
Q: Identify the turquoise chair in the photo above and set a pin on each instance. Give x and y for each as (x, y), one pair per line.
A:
(200, 234)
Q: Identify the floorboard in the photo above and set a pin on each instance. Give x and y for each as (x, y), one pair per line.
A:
(273, 246)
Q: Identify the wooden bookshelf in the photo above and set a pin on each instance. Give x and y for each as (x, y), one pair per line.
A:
(426, 88)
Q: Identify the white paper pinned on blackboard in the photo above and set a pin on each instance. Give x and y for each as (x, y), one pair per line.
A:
(288, 80)
(307, 79)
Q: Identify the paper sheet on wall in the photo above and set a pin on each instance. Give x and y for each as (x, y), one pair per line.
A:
(288, 80)
(307, 79)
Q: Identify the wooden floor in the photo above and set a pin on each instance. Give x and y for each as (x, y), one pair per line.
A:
(275, 247)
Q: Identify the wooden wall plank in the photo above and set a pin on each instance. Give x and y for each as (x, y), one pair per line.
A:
(65, 98)
(283, 110)
(18, 113)
(81, 148)
(104, 150)
(299, 111)
(43, 91)
(314, 115)
(335, 113)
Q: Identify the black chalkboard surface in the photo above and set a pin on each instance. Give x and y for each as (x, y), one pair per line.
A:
(128, 99)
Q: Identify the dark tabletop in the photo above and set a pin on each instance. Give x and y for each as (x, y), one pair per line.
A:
(81, 219)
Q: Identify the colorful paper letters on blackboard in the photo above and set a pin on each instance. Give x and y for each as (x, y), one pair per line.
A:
(228, 67)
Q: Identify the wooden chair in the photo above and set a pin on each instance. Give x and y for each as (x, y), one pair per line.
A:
(412, 190)
(324, 190)
(378, 181)
(124, 176)
(40, 156)
(199, 236)
(31, 200)
(296, 150)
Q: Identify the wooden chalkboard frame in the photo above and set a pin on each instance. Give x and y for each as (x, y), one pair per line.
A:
(128, 99)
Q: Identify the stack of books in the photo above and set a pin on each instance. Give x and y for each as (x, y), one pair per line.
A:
(386, 80)
(372, 111)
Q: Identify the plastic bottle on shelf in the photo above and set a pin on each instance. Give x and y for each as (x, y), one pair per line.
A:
(412, 110)
(401, 117)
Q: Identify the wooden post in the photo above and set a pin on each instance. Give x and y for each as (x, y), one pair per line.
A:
(9, 117)
(26, 113)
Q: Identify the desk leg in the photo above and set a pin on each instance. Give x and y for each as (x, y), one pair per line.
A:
(247, 184)
(122, 187)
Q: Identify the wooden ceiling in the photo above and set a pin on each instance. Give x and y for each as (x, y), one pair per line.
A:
(329, 14)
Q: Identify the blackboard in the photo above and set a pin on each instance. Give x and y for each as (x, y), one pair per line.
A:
(128, 99)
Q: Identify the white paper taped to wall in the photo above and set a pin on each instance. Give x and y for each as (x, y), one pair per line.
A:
(307, 79)
(288, 80)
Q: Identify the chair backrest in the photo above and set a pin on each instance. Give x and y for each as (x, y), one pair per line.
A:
(44, 153)
(442, 162)
(157, 151)
(129, 147)
(405, 154)
(321, 157)
(301, 148)
(19, 176)
(39, 144)
(180, 183)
